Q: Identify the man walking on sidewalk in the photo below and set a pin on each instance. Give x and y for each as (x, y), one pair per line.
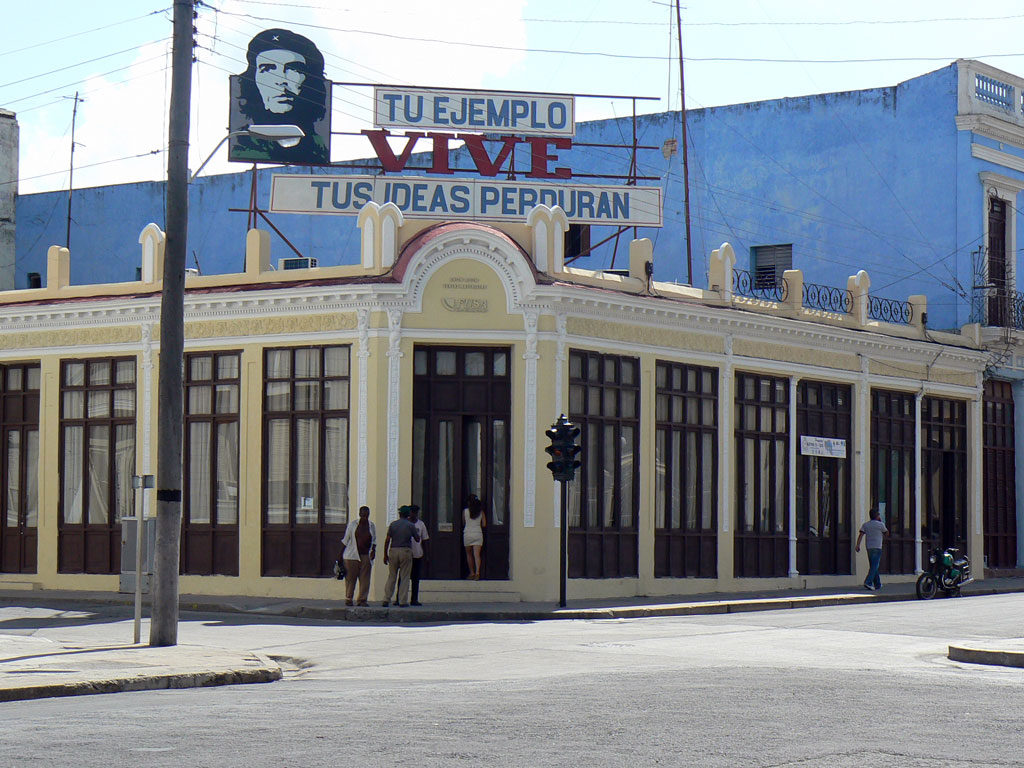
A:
(419, 552)
(398, 557)
(874, 529)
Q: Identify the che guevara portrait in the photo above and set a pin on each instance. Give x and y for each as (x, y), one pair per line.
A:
(283, 84)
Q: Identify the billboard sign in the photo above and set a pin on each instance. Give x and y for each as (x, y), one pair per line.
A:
(436, 109)
(283, 84)
(465, 199)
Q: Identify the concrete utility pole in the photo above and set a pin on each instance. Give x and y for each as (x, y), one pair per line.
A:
(170, 412)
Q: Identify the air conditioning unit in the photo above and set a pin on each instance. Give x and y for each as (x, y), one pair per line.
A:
(297, 262)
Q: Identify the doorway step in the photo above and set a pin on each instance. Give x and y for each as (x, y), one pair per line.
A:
(1004, 573)
(468, 592)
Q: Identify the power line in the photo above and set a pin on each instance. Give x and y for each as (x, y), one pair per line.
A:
(85, 32)
(78, 64)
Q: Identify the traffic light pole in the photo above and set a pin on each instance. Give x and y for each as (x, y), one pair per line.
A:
(564, 537)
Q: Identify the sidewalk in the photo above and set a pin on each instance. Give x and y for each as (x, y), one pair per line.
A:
(33, 667)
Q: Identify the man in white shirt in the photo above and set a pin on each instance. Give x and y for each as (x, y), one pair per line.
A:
(419, 552)
(874, 529)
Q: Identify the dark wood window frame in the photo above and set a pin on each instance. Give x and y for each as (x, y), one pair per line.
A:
(944, 472)
(892, 475)
(19, 426)
(293, 547)
(91, 542)
(210, 546)
(686, 470)
(604, 400)
(823, 543)
(999, 473)
(761, 537)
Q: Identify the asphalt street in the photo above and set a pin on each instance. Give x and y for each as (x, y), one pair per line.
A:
(856, 685)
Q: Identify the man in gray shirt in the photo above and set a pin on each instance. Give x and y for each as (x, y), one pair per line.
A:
(398, 556)
(874, 529)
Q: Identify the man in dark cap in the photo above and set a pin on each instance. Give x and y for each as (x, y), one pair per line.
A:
(398, 556)
(284, 84)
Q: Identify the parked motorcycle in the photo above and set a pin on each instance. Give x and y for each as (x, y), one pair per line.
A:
(948, 570)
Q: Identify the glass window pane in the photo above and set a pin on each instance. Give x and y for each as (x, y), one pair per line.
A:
(227, 473)
(199, 472)
(32, 478)
(445, 509)
(626, 464)
(99, 404)
(709, 480)
(661, 408)
(475, 364)
(307, 395)
(124, 470)
(226, 399)
(419, 436)
(336, 471)
(781, 488)
(500, 364)
(499, 472)
(98, 474)
(445, 363)
(336, 361)
(691, 481)
(13, 379)
(610, 397)
(628, 403)
(336, 394)
(472, 458)
(278, 445)
(124, 403)
(608, 474)
(32, 384)
(575, 366)
(576, 399)
(660, 459)
(13, 477)
(628, 372)
(307, 471)
(592, 437)
(200, 368)
(74, 405)
(307, 363)
(279, 364)
(74, 374)
(228, 366)
(679, 471)
(99, 372)
(125, 372)
(278, 396)
(73, 486)
(420, 364)
(200, 399)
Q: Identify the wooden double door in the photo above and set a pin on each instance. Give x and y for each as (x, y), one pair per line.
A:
(461, 446)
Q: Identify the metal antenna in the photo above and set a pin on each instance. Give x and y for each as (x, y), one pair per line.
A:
(71, 172)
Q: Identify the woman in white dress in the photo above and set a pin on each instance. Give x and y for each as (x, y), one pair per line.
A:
(473, 523)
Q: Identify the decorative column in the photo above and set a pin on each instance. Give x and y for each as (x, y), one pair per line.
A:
(726, 446)
(975, 454)
(362, 431)
(861, 450)
(530, 317)
(394, 407)
(793, 572)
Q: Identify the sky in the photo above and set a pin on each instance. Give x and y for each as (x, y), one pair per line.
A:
(116, 56)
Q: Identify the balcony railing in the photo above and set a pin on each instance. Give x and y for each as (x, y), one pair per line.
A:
(745, 284)
(827, 298)
(890, 310)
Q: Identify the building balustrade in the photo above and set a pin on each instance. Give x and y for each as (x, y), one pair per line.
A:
(746, 284)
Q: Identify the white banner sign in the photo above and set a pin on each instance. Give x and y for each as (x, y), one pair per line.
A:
(830, 447)
(474, 111)
(465, 199)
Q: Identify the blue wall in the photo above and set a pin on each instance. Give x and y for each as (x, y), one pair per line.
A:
(879, 180)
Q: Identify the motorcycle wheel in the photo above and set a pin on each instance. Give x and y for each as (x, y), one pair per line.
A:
(927, 586)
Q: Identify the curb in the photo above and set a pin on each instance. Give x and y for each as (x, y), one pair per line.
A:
(267, 673)
(981, 656)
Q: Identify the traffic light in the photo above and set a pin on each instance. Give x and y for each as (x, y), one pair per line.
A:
(563, 448)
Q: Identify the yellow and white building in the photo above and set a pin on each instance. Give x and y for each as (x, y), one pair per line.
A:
(729, 442)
